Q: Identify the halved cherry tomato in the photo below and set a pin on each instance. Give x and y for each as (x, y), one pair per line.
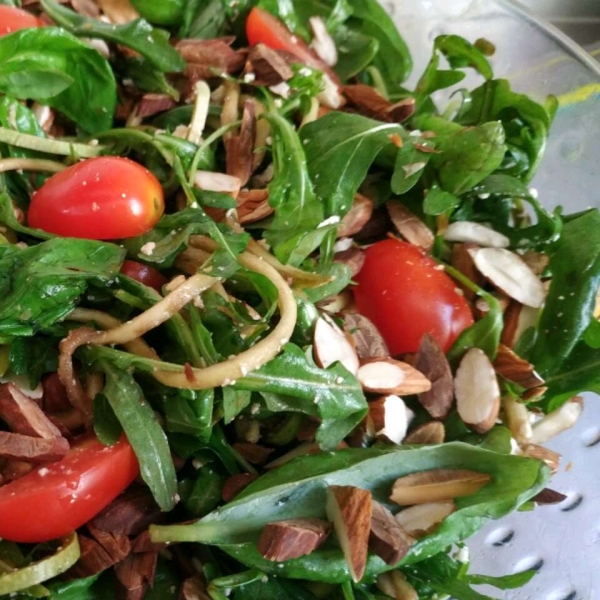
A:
(12, 19)
(263, 28)
(102, 198)
(402, 292)
(144, 274)
(55, 499)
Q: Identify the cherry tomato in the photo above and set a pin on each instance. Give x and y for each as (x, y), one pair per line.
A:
(102, 198)
(55, 499)
(13, 19)
(403, 293)
(263, 28)
(144, 274)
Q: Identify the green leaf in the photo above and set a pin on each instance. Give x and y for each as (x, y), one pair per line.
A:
(41, 284)
(205, 494)
(14, 115)
(204, 19)
(144, 433)
(298, 490)
(409, 167)
(106, 425)
(297, 210)
(437, 201)
(346, 145)
(165, 12)
(138, 35)
(50, 65)
(460, 54)
(356, 51)
(290, 383)
(33, 357)
(273, 588)
(469, 156)
(146, 77)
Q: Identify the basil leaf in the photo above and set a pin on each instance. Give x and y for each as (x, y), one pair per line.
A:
(41, 284)
(346, 145)
(139, 35)
(298, 490)
(290, 383)
(165, 12)
(144, 433)
(51, 65)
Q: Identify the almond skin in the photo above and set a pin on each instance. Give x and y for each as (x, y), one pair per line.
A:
(367, 339)
(433, 432)
(389, 376)
(422, 519)
(331, 345)
(409, 226)
(516, 369)
(437, 485)
(432, 362)
(285, 540)
(388, 539)
(350, 510)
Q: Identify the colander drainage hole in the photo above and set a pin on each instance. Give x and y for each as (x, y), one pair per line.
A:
(591, 437)
(569, 594)
(500, 537)
(530, 563)
(573, 501)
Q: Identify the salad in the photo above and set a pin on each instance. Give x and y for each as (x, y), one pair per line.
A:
(272, 324)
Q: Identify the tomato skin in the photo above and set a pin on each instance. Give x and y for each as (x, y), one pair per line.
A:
(55, 499)
(403, 293)
(12, 19)
(264, 28)
(144, 274)
(103, 198)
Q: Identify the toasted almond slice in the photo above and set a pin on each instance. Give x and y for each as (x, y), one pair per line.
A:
(322, 42)
(437, 485)
(556, 422)
(432, 362)
(303, 449)
(409, 226)
(421, 519)
(338, 303)
(389, 376)
(477, 391)
(332, 345)
(394, 584)
(390, 417)
(330, 96)
(217, 182)
(548, 497)
(353, 258)
(368, 341)
(516, 369)
(516, 416)
(509, 273)
(461, 260)
(388, 539)
(285, 540)
(551, 458)
(433, 432)
(350, 510)
(467, 231)
(517, 320)
(536, 261)
(357, 217)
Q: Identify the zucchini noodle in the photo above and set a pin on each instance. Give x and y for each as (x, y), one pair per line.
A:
(129, 335)
(30, 164)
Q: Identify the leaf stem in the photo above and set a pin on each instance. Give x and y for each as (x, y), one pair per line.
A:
(61, 147)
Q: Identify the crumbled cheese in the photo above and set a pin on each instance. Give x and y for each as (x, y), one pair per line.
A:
(249, 77)
(281, 89)
(330, 221)
(148, 248)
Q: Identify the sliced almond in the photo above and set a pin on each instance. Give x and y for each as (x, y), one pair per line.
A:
(217, 182)
(330, 96)
(516, 369)
(285, 540)
(303, 449)
(350, 510)
(548, 497)
(433, 432)
(422, 519)
(322, 43)
(409, 226)
(268, 66)
(364, 435)
(517, 320)
(390, 417)
(509, 273)
(239, 148)
(432, 362)
(357, 217)
(516, 417)
(337, 304)
(394, 584)
(353, 258)
(253, 453)
(462, 261)
(477, 391)
(475, 233)
(536, 261)
(388, 539)
(551, 458)
(119, 11)
(389, 376)
(556, 422)
(331, 345)
(253, 205)
(437, 485)
(368, 341)
(534, 394)
(235, 484)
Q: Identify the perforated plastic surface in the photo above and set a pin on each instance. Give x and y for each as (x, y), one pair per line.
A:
(562, 542)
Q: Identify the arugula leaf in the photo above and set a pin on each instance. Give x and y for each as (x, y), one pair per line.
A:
(144, 433)
(298, 489)
(139, 35)
(166, 12)
(526, 122)
(41, 284)
(204, 19)
(409, 167)
(356, 51)
(273, 588)
(106, 425)
(145, 77)
(297, 210)
(33, 357)
(292, 383)
(51, 65)
(460, 54)
(346, 145)
(437, 201)
(14, 115)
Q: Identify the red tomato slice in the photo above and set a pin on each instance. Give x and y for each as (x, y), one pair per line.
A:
(102, 198)
(144, 274)
(402, 292)
(55, 499)
(12, 19)
(263, 28)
